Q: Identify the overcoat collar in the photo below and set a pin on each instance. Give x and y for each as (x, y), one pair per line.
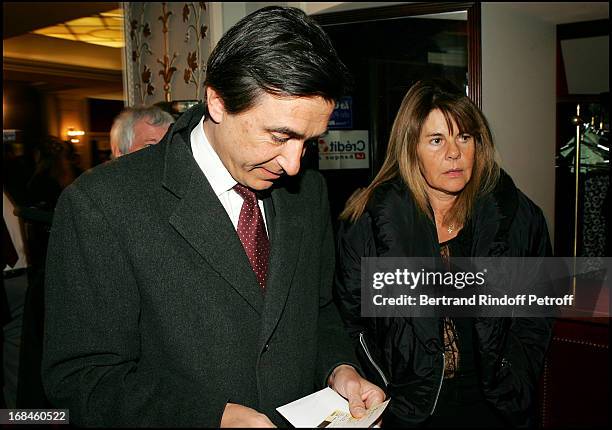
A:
(401, 228)
(202, 221)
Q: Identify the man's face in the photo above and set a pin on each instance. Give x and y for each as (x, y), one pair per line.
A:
(146, 134)
(266, 141)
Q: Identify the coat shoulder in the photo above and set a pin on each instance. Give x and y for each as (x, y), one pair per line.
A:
(130, 173)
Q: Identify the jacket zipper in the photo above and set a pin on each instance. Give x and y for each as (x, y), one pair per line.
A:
(367, 351)
(440, 387)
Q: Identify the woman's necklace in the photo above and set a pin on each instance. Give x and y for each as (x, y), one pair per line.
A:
(451, 228)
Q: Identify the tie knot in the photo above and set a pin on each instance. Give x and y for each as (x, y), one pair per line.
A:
(245, 193)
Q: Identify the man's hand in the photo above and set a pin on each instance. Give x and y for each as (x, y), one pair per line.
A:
(240, 416)
(360, 393)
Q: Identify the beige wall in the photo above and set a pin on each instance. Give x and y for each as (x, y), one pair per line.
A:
(13, 226)
(518, 98)
(232, 13)
(591, 51)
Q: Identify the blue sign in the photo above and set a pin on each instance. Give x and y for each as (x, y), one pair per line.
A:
(342, 116)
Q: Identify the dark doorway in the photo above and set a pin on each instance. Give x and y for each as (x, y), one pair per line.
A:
(387, 50)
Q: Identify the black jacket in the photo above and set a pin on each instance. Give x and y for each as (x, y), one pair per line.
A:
(406, 354)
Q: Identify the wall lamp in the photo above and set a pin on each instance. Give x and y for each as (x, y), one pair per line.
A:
(73, 134)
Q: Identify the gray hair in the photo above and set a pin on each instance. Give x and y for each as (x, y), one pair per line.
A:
(122, 131)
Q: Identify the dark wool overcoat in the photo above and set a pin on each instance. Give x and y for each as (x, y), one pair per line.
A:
(154, 316)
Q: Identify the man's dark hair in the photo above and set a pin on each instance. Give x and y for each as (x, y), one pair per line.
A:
(277, 50)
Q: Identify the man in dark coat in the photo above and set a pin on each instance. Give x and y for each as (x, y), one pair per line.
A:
(189, 284)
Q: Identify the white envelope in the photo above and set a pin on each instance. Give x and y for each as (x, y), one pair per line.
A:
(312, 410)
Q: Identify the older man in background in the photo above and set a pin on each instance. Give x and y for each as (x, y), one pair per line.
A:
(136, 128)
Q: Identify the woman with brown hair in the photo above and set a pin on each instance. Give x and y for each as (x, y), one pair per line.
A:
(441, 193)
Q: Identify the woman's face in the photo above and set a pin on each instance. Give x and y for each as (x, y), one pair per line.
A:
(446, 159)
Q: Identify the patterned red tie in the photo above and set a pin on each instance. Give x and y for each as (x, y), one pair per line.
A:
(252, 233)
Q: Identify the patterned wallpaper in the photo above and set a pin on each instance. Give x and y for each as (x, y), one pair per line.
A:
(167, 46)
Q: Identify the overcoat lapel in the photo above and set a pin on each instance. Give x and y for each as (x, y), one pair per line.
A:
(285, 240)
(202, 221)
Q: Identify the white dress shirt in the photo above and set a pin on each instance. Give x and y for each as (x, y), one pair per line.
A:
(217, 175)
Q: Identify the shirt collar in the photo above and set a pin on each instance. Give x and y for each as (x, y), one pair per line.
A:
(218, 176)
